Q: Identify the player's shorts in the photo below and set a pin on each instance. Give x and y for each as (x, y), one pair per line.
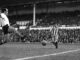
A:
(5, 29)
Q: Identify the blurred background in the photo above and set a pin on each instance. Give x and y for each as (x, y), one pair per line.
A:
(44, 13)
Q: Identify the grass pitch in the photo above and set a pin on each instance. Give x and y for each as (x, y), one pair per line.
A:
(24, 51)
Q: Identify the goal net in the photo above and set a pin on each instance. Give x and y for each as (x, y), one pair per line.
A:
(69, 34)
(65, 34)
(40, 33)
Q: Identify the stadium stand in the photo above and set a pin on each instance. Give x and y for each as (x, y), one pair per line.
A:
(46, 19)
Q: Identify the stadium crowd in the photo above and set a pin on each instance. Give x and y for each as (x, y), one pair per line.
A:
(64, 18)
(65, 36)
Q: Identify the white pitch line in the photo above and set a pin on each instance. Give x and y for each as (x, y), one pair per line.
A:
(46, 55)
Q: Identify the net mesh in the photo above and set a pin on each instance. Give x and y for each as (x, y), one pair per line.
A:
(65, 34)
(37, 34)
(69, 34)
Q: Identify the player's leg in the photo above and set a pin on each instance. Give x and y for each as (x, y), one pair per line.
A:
(55, 40)
(12, 29)
(5, 34)
(56, 43)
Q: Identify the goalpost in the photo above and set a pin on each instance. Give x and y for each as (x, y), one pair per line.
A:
(34, 14)
(65, 34)
(41, 33)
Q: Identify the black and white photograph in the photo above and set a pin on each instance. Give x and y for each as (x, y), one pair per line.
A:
(39, 29)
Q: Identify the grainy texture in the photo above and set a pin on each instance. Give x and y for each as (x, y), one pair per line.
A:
(11, 51)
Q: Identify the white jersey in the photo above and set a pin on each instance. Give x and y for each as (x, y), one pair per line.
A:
(4, 20)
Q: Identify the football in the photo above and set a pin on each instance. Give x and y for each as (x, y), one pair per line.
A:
(44, 43)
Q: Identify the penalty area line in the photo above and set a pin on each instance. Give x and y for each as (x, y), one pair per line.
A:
(46, 55)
